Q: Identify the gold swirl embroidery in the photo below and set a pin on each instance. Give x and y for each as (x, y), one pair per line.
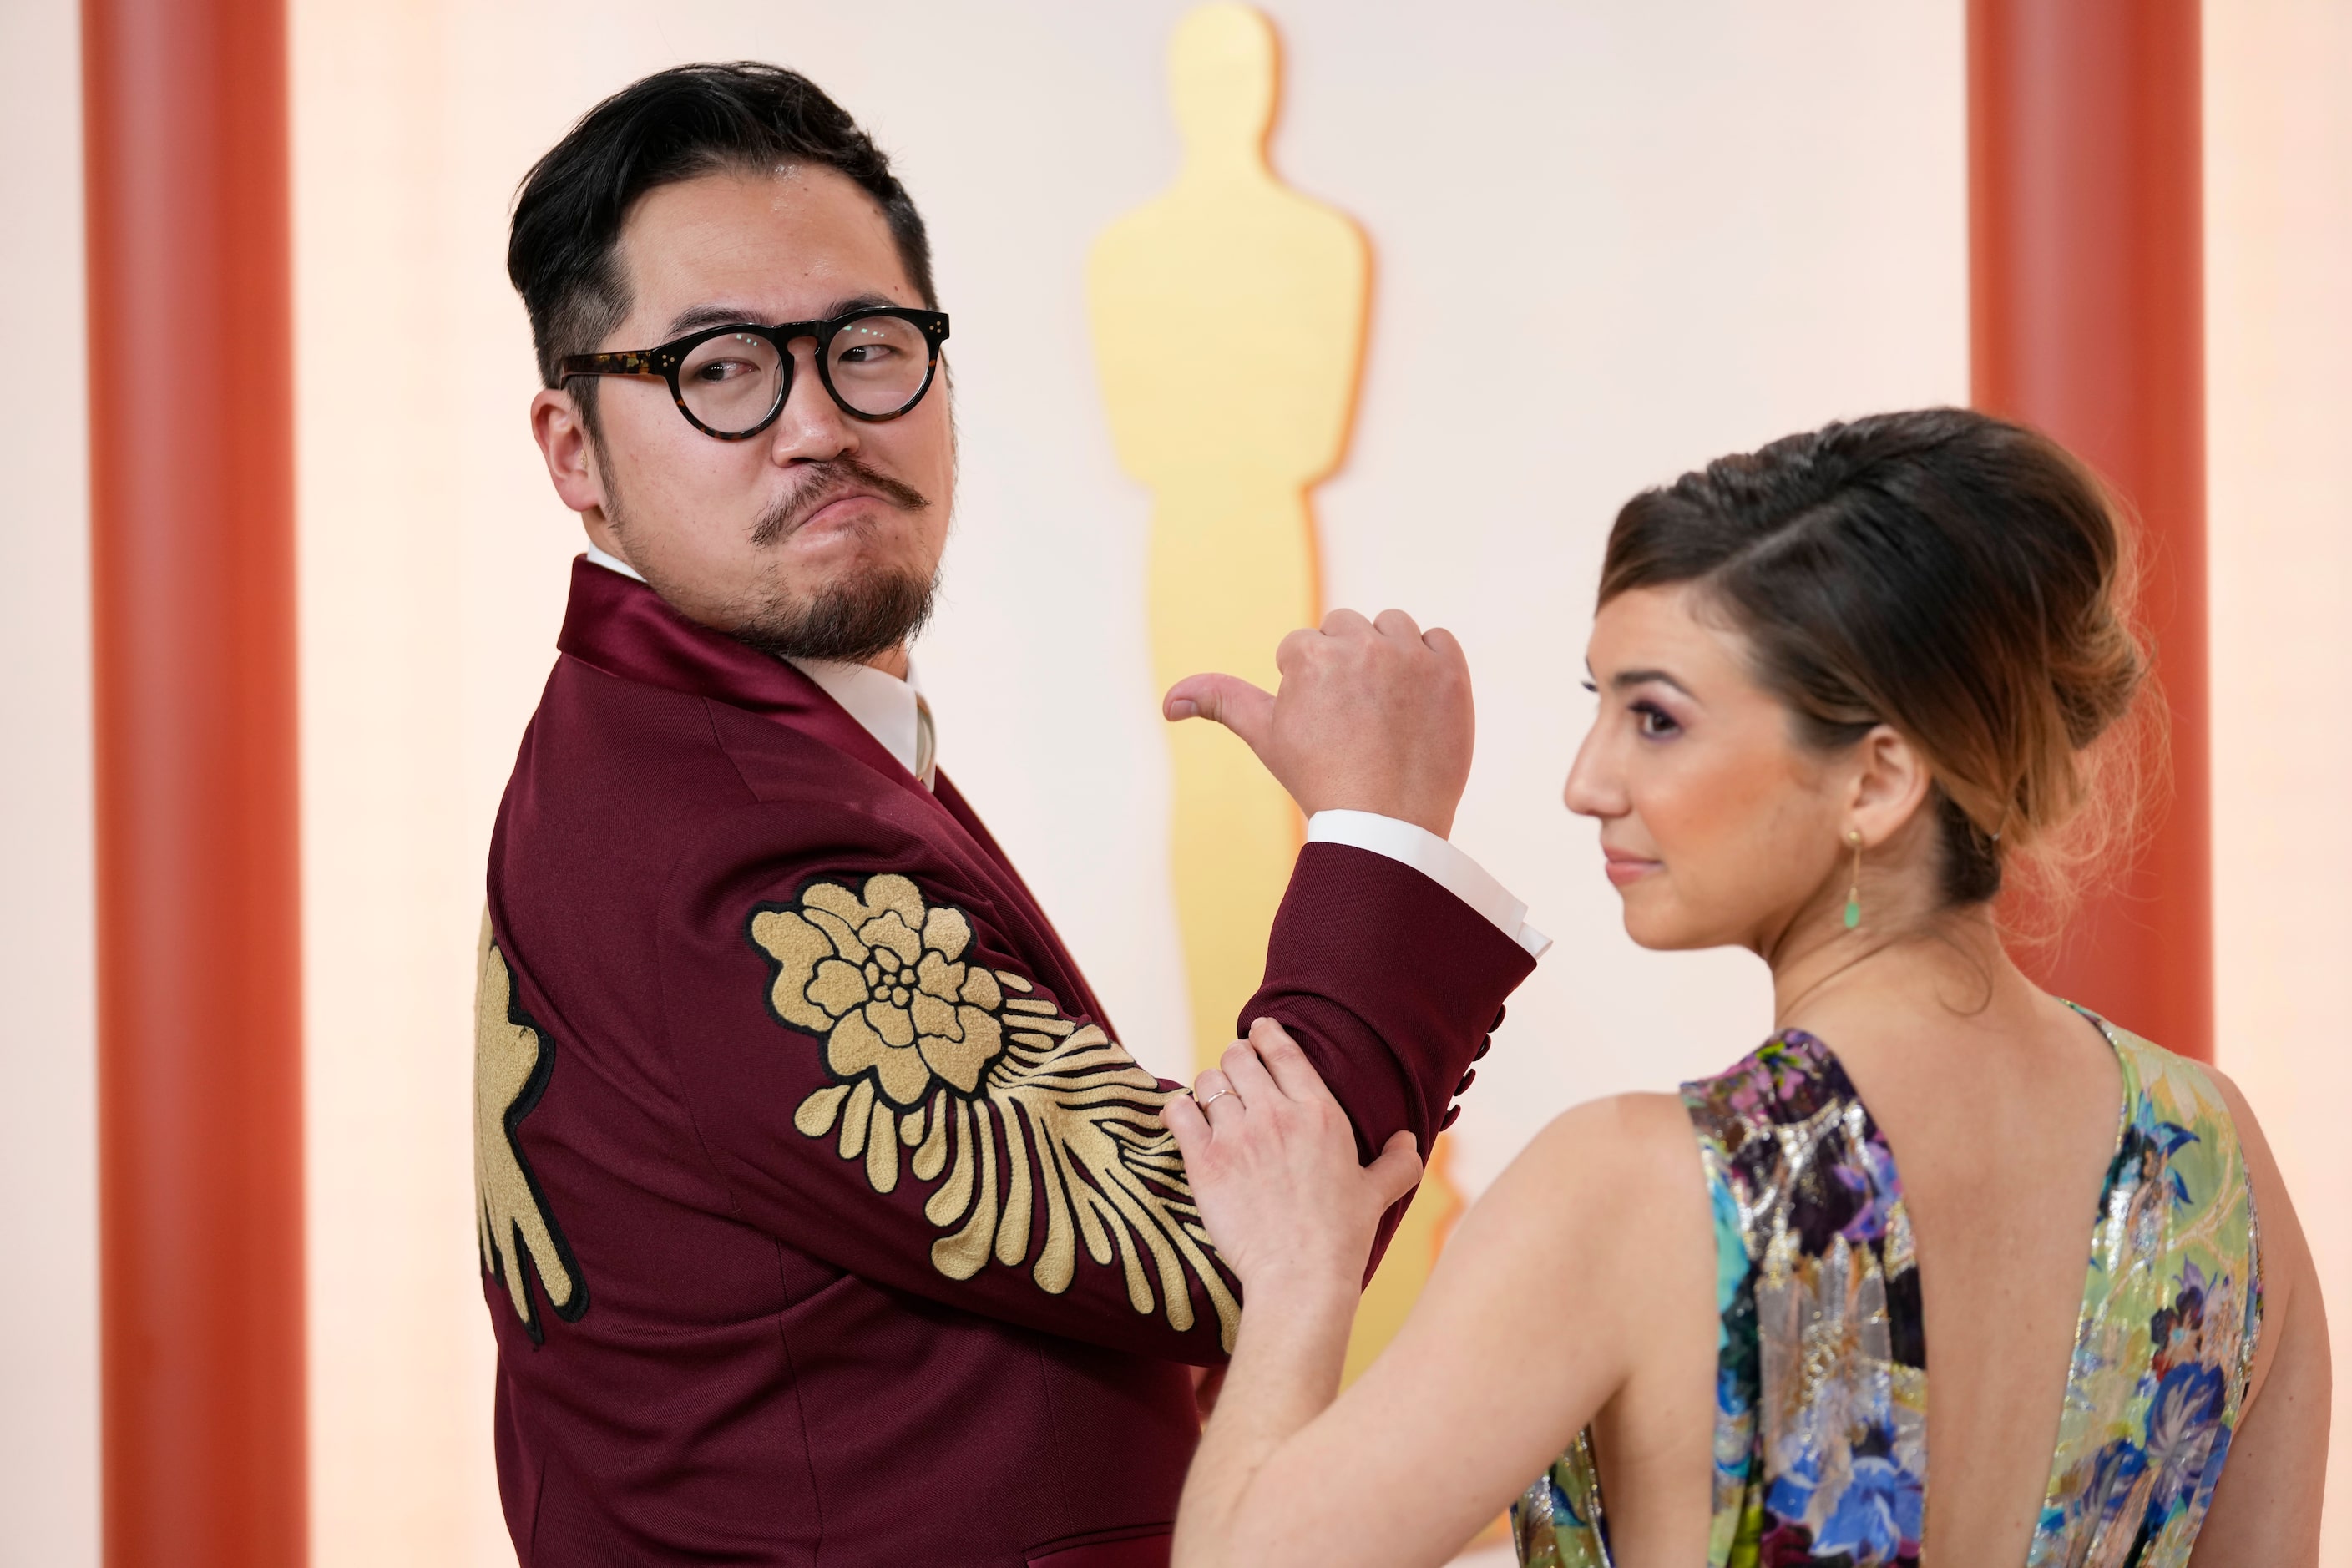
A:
(512, 1064)
(938, 1055)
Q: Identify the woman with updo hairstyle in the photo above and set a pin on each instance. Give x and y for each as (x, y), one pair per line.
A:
(1849, 687)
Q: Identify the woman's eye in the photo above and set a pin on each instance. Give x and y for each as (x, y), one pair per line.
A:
(1654, 721)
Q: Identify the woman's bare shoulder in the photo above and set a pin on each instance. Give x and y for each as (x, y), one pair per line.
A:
(2290, 1279)
(1553, 1288)
(1636, 1132)
(1605, 1179)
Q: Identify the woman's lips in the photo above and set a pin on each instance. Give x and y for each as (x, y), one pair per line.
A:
(1624, 867)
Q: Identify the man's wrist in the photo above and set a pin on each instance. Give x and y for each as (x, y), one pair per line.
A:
(1436, 821)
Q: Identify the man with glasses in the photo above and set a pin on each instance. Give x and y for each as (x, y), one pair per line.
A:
(820, 1210)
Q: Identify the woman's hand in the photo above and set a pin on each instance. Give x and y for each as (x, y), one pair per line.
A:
(1271, 1162)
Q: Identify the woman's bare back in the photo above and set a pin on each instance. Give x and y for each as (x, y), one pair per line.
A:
(1586, 1290)
(2002, 1122)
(2003, 1132)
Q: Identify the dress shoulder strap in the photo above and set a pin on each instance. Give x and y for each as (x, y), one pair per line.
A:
(1820, 1443)
(2171, 1316)
(1821, 1437)
(1820, 1433)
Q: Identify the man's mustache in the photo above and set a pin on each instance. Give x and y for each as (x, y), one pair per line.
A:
(829, 482)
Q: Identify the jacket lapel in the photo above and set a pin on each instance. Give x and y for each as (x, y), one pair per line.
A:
(622, 627)
(625, 629)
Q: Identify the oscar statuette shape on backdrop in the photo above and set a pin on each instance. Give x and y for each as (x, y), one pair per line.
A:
(1228, 316)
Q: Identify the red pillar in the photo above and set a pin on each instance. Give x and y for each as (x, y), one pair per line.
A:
(2087, 247)
(199, 1007)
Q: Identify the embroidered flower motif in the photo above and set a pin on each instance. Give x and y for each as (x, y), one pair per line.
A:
(961, 1068)
(880, 976)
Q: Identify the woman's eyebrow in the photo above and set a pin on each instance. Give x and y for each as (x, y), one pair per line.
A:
(1627, 678)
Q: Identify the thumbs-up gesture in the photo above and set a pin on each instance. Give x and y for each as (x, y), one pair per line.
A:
(1372, 715)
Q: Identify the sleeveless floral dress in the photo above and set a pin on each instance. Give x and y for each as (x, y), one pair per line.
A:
(1820, 1426)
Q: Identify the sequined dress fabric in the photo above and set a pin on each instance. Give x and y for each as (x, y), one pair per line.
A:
(1821, 1425)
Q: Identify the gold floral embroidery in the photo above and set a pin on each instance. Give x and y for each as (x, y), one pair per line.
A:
(937, 1055)
(512, 1064)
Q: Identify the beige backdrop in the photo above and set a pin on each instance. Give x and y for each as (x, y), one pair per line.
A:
(2278, 252)
(48, 1160)
(1718, 230)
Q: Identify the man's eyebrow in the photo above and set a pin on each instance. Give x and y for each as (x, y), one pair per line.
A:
(857, 302)
(694, 317)
(1629, 677)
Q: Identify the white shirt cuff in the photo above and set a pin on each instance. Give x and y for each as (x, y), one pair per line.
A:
(1435, 859)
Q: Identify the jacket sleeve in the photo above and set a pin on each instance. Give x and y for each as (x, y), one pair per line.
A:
(1392, 985)
(886, 1076)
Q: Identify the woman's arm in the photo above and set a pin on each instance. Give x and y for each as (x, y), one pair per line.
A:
(1592, 1250)
(1273, 1165)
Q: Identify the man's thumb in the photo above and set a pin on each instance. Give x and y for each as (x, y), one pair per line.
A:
(1397, 1171)
(1229, 699)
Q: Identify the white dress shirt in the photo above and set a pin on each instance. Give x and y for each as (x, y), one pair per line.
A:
(894, 713)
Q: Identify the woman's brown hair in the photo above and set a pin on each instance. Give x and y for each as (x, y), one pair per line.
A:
(1964, 580)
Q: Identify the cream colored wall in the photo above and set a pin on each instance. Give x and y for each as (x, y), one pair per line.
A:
(394, 620)
(2278, 251)
(48, 1169)
(1682, 218)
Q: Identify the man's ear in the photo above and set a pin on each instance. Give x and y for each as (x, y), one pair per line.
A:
(557, 425)
(1893, 784)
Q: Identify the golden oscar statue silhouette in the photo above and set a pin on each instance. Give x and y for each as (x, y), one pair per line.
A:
(1228, 317)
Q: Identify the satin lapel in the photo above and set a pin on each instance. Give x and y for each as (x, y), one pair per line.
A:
(624, 629)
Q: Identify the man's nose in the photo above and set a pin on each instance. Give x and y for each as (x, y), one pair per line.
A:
(811, 427)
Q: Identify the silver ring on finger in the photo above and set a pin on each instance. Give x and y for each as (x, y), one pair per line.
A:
(1214, 1097)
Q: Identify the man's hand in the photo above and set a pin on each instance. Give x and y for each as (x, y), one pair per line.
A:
(1371, 716)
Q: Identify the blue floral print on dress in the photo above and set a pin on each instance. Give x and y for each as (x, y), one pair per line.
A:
(1821, 1405)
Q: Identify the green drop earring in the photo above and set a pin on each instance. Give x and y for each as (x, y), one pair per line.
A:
(1853, 889)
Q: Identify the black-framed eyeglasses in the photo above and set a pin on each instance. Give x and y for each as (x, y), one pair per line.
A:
(730, 382)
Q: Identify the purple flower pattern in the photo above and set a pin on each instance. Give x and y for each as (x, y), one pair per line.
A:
(1821, 1418)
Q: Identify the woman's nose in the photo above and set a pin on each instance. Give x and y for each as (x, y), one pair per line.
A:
(1590, 790)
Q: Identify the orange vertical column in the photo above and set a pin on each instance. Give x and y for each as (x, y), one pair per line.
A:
(2086, 250)
(192, 494)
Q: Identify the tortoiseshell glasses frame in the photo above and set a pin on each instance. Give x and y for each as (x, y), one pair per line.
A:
(883, 381)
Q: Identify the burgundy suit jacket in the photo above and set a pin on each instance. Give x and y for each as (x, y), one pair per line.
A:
(823, 1218)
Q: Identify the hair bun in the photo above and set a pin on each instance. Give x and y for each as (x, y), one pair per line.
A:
(1961, 578)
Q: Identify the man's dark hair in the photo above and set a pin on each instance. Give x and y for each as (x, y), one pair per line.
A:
(670, 126)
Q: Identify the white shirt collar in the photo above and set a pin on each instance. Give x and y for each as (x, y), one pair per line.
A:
(611, 563)
(890, 709)
(887, 708)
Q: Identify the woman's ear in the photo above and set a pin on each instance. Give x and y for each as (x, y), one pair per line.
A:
(1892, 785)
